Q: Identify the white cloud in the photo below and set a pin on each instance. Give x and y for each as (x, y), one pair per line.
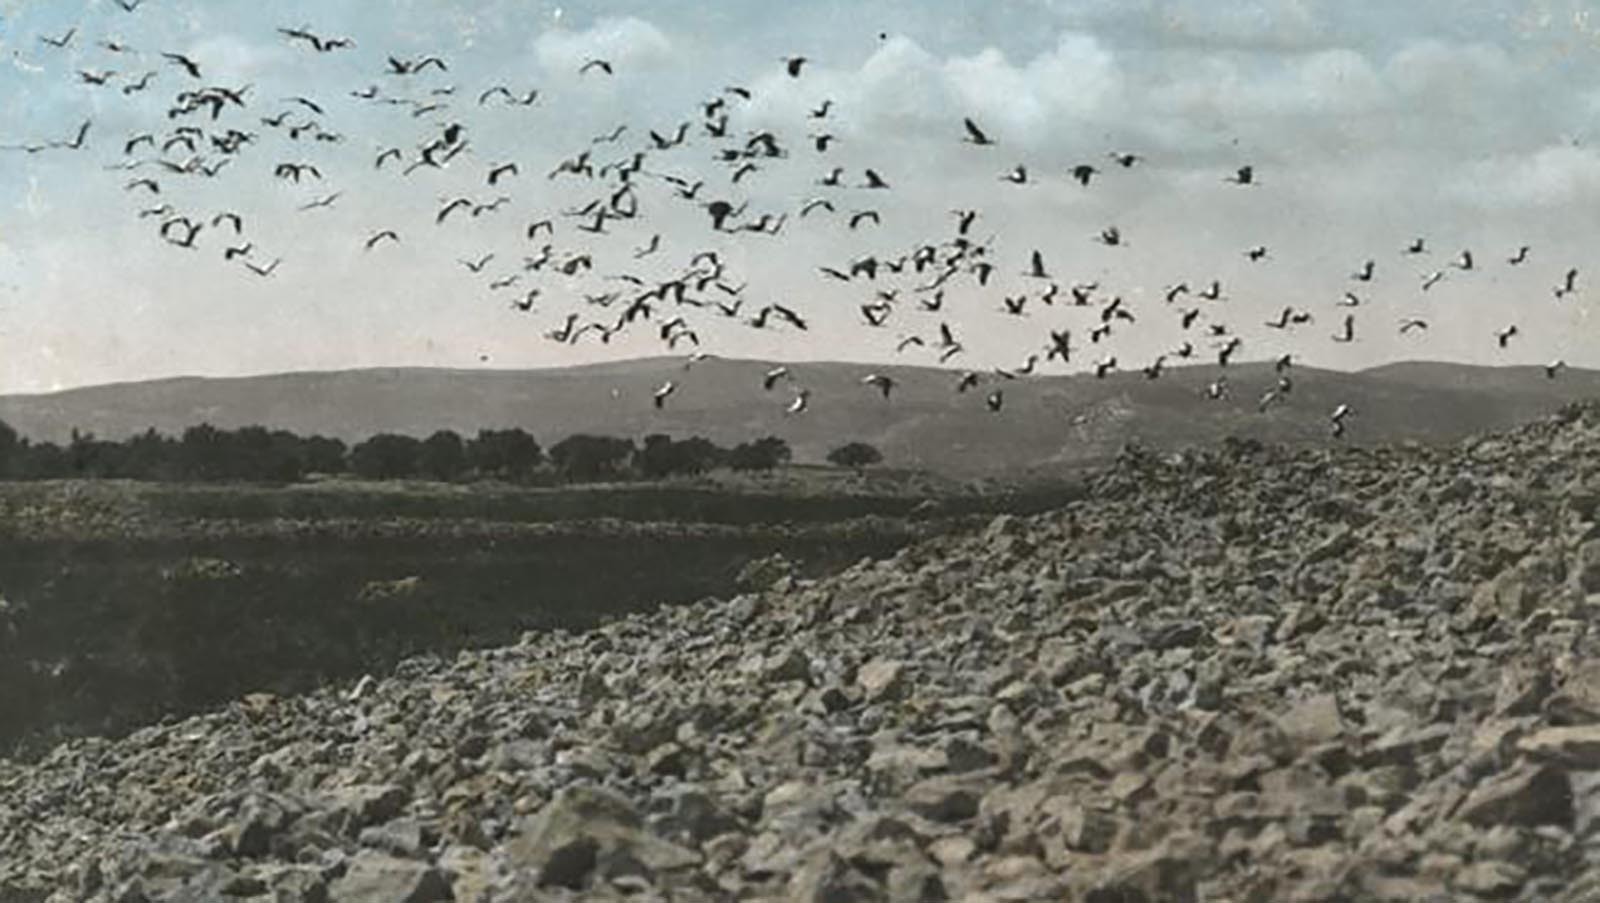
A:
(1001, 96)
(1261, 24)
(1078, 78)
(1446, 72)
(1329, 100)
(229, 59)
(1329, 82)
(904, 88)
(898, 88)
(625, 41)
(1337, 81)
(899, 83)
(1550, 176)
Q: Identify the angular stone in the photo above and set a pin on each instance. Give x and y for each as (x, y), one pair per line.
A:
(641, 730)
(1313, 721)
(963, 755)
(1505, 842)
(1490, 878)
(769, 854)
(1404, 744)
(592, 687)
(584, 828)
(1575, 747)
(793, 665)
(1301, 620)
(1527, 794)
(894, 768)
(1523, 689)
(1021, 879)
(1495, 740)
(944, 799)
(1386, 786)
(403, 837)
(668, 759)
(261, 819)
(1429, 803)
(760, 573)
(1167, 872)
(1510, 595)
(376, 878)
(469, 871)
(953, 851)
(797, 805)
(1577, 698)
(700, 817)
(882, 680)
(358, 806)
(1586, 567)
(295, 883)
(1380, 888)
(1081, 828)
(912, 883)
(1439, 866)
(826, 877)
(1172, 636)
(1130, 787)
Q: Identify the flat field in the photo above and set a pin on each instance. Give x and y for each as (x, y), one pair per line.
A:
(127, 602)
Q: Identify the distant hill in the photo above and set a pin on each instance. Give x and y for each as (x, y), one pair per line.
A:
(1048, 423)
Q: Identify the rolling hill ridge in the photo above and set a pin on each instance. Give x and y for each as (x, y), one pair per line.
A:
(1048, 423)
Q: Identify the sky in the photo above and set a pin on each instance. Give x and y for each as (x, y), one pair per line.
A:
(1367, 124)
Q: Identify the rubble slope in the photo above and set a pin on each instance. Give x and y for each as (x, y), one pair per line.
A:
(1244, 674)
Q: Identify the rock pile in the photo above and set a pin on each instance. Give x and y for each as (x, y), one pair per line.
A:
(1241, 675)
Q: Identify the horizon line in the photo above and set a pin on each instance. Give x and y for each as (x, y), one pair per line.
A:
(683, 358)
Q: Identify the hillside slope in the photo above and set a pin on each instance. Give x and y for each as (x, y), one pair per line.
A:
(1049, 422)
(1308, 675)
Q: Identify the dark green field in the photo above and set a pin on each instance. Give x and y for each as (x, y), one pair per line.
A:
(128, 602)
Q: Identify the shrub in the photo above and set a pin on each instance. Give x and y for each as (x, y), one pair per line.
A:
(586, 458)
(855, 455)
(443, 456)
(762, 454)
(508, 454)
(386, 456)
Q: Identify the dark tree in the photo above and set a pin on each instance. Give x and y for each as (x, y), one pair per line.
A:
(42, 461)
(201, 453)
(386, 456)
(696, 455)
(258, 454)
(320, 454)
(508, 454)
(443, 457)
(151, 456)
(205, 453)
(94, 458)
(762, 454)
(11, 449)
(584, 458)
(661, 456)
(248, 453)
(657, 458)
(286, 457)
(855, 455)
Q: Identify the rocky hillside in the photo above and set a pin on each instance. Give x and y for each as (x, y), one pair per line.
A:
(1248, 675)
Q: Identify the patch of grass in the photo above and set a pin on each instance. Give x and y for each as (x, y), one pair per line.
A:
(129, 601)
(119, 508)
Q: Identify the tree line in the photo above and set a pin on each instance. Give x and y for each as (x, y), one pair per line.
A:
(206, 453)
